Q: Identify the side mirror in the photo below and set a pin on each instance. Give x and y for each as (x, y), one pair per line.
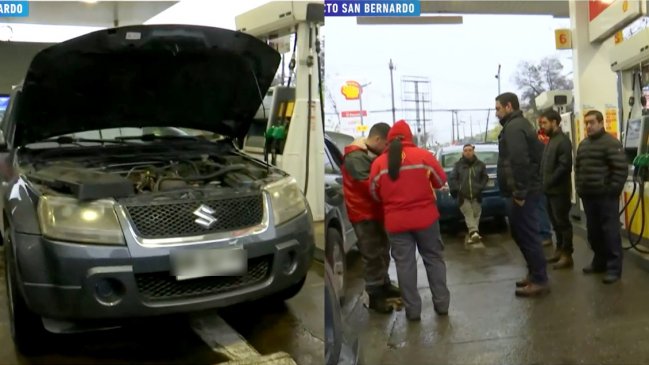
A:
(334, 197)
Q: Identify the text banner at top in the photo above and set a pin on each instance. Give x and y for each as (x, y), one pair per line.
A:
(372, 8)
(14, 9)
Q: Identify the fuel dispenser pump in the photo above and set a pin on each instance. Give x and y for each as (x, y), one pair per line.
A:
(636, 140)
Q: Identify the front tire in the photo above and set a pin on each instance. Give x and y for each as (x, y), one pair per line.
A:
(335, 252)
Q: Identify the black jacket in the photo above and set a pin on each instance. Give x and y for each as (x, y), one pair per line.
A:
(468, 179)
(600, 166)
(519, 157)
(556, 165)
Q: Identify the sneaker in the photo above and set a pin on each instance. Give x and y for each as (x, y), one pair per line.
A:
(475, 237)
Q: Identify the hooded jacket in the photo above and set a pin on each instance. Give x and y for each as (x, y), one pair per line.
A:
(409, 202)
(519, 157)
(356, 184)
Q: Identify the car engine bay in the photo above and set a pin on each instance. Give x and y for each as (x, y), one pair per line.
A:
(147, 175)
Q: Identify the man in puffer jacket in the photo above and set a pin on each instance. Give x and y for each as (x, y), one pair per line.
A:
(466, 182)
(600, 173)
(404, 180)
(519, 179)
(366, 216)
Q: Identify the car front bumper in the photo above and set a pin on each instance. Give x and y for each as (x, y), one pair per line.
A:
(70, 281)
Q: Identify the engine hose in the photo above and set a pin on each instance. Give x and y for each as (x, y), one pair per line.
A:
(221, 172)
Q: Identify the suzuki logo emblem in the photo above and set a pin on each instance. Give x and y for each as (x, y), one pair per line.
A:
(205, 216)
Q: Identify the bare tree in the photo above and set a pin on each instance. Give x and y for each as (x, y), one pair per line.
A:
(532, 79)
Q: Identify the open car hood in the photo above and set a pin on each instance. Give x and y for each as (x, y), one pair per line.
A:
(145, 76)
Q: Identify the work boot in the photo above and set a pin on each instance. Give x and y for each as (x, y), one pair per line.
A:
(523, 282)
(555, 257)
(564, 262)
(533, 290)
(391, 291)
(380, 304)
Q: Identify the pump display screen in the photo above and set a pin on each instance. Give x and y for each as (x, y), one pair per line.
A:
(632, 137)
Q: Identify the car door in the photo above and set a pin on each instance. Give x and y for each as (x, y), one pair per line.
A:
(333, 180)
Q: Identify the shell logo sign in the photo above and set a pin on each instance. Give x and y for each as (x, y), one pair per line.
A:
(351, 90)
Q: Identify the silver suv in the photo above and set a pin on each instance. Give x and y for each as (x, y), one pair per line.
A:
(103, 219)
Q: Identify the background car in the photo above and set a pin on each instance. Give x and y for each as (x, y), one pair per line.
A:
(341, 140)
(493, 205)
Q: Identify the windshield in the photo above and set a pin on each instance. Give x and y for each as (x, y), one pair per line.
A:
(116, 133)
(488, 157)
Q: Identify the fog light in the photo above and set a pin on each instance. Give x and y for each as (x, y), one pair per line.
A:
(109, 291)
(290, 263)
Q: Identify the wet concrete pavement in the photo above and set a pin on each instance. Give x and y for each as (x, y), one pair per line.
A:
(582, 321)
(291, 327)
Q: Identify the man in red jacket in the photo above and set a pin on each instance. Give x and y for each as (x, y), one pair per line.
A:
(367, 218)
(404, 180)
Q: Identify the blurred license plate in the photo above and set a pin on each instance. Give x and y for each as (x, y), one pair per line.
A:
(190, 264)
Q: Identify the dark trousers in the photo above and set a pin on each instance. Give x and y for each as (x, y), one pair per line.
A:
(429, 243)
(525, 232)
(559, 212)
(603, 224)
(374, 246)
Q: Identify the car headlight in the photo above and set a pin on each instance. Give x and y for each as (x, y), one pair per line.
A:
(287, 199)
(70, 220)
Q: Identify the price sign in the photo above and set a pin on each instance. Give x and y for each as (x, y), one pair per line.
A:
(563, 39)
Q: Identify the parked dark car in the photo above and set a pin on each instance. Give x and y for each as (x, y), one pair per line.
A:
(102, 220)
(493, 205)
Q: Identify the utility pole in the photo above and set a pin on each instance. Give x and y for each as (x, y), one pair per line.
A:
(486, 128)
(423, 109)
(419, 98)
(394, 110)
(453, 127)
(457, 125)
(498, 77)
(471, 126)
(360, 102)
(417, 111)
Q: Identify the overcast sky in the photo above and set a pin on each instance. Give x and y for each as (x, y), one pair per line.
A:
(460, 61)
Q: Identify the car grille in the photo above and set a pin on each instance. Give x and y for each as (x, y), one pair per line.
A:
(177, 219)
(162, 286)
